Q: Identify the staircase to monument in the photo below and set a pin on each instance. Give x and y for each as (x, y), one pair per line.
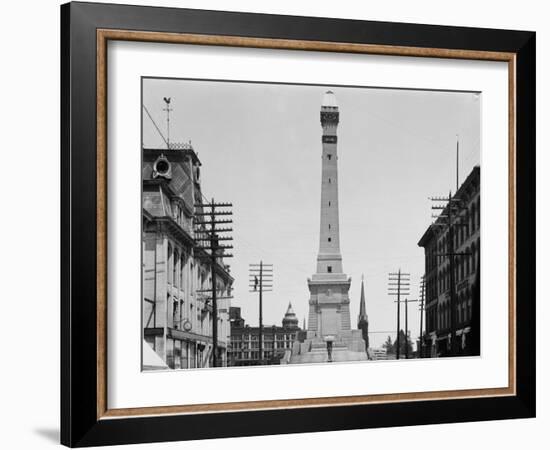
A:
(317, 353)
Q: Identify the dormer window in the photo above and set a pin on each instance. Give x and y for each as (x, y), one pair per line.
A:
(162, 168)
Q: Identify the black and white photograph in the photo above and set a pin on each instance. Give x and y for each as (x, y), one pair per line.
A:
(298, 224)
(275, 224)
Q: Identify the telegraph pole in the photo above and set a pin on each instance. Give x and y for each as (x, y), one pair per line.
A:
(421, 307)
(407, 301)
(449, 219)
(209, 233)
(261, 280)
(457, 153)
(398, 284)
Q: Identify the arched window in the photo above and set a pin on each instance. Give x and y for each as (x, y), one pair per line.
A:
(478, 255)
(170, 260)
(182, 271)
(175, 314)
(474, 257)
(468, 304)
(478, 214)
(175, 267)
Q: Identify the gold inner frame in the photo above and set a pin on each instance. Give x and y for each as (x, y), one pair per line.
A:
(104, 35)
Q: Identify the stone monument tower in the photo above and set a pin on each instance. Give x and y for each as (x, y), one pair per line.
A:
(329, 325)
(329, 286)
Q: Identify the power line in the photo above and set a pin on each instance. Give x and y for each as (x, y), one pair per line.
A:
(155, 125)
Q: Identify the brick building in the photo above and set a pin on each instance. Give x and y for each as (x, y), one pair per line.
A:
(176, 306)
(277, 340)
(466, 244)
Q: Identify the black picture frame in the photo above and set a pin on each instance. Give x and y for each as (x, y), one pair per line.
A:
(80, 425)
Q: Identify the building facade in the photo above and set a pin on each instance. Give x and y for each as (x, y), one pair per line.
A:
(466, 253)
(177, 282)
(277, 341)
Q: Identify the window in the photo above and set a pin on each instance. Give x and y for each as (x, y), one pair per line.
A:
(329, 156)
(175, 268)
(329, 203)
(329, 226)
(329, 181)
(329, 239)
(170, 263)
(175, 314)
(182, 272)
(329, 269)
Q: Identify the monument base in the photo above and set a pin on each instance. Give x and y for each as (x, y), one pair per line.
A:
(347, 346)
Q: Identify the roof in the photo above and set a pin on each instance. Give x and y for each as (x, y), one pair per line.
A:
(290, 311)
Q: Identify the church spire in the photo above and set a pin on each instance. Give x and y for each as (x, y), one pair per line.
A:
(363, 318)
(362, 304)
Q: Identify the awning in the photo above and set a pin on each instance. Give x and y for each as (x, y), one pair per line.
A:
(152, 361)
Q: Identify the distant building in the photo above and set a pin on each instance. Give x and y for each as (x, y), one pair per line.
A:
(176, 306)
(466, 241)
(277, 340)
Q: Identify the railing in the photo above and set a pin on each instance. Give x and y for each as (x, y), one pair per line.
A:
(180, 146)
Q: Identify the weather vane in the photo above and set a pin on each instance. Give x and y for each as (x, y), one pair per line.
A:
(167, 109)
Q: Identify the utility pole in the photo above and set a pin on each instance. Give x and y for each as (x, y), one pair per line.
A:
(407, 326)
(421, 307)
(449, 219)
(407, 301)
(399, 285)
(457, 153)
(261, 280)
(209, 233)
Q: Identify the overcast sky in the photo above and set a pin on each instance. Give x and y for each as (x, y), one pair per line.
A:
(260, 148)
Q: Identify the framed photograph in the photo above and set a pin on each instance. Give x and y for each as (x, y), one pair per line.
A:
(277, 224)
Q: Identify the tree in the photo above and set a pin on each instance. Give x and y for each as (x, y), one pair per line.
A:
(403, 342)
(388, 345)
